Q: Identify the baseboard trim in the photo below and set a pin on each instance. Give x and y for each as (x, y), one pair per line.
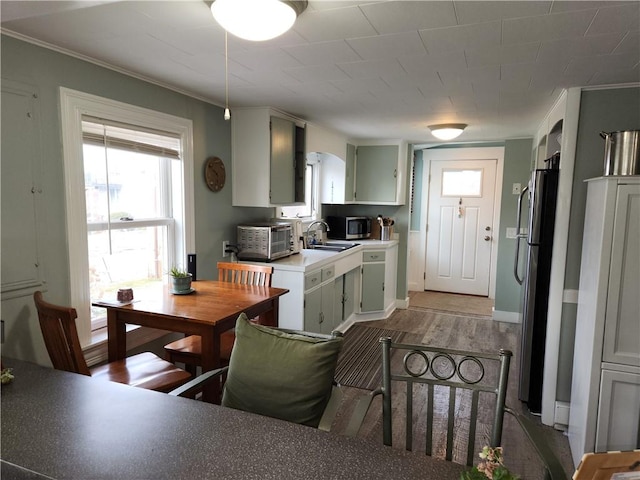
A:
(561, 415)
(570, 296)
(509, 317)
(402, 304)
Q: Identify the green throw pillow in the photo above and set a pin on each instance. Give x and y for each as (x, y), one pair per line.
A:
(281, 375)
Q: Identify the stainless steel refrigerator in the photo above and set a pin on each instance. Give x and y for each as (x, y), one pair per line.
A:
(542, 194)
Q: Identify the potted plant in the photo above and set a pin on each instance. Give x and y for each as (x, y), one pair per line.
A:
(491, 468)
(180, 281)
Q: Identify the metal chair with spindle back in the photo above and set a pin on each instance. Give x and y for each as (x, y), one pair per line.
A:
(428, 372)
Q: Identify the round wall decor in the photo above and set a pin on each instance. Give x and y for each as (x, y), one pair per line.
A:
(214, 173)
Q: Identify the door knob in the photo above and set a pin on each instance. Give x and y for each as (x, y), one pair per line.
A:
(487, 238)
(487, 228)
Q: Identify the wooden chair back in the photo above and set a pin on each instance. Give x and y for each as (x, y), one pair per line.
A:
(245, 274)
(430, 371)
(58, 325)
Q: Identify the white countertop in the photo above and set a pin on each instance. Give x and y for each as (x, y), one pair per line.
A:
(309, 259)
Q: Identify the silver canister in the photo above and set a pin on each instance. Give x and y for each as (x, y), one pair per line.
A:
(621, 152)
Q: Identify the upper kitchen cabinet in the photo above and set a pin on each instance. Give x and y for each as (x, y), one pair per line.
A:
(379, 173)
(268, 158)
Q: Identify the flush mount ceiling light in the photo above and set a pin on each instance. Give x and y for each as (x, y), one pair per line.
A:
(257, 20)
(447, 131)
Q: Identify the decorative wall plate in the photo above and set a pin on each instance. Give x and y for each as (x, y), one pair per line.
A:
(214, 173)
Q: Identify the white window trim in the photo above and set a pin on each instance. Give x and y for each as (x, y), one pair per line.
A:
(73, 105)
(315, 196)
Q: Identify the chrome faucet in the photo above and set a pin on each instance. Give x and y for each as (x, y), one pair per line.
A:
(326, 225)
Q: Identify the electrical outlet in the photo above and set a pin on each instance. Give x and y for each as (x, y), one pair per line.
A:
(225, 245)
(516, 188)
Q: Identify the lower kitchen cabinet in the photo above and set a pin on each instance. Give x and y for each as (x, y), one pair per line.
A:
(320, 301)
(618, 425)
(373, 281)
(345, 296)
(325, 292)
(319, 309)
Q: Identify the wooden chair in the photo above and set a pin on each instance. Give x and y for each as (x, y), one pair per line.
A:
(294, 383)
(145, 370)
(188, 350)
(444, 376)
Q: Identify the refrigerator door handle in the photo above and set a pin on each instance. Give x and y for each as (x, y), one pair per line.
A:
(519, 236)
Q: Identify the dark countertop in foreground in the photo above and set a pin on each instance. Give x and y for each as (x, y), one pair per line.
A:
(64, 425)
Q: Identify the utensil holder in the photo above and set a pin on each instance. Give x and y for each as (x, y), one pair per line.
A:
(386, 232)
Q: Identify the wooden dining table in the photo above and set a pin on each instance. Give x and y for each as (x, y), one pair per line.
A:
(211, 309)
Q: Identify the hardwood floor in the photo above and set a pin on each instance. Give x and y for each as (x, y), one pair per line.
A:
(457, 331)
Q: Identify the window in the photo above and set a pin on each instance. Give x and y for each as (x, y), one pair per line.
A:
(129, 178)
(309, 210)
(130, 223)
(461, 183)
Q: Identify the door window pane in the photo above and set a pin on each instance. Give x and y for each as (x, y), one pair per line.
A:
(461, 183)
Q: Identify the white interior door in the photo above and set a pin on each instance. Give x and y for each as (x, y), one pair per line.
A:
(460, 226)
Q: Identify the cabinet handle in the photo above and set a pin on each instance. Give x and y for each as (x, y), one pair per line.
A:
(395, 173)
(321, 317)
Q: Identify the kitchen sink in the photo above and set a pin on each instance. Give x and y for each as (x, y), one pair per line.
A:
(334, 246)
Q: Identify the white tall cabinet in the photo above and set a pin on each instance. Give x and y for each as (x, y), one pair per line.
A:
(605, 392)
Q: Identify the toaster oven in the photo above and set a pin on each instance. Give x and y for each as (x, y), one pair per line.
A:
(264, 242)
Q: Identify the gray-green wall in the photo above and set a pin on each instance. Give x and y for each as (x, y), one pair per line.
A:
(600, 111)
(46, 71)
(517, 164)
(607, 110)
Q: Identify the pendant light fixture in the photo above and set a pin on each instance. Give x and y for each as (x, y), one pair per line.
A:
(257, 20)
(227, 113)
(447, 131)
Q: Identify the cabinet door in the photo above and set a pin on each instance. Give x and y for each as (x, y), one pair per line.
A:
(372, 287)
(283, 134)
(339, 296)
(300, 168)
(20, 189)
(349, 174)
(622, 328)
(376, 173)
(618, 412)
(313, 311)
(327, 320)
(349, 293)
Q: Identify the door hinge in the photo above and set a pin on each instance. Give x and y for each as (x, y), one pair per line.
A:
(424, 275)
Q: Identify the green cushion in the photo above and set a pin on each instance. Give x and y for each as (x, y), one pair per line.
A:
(281, 375)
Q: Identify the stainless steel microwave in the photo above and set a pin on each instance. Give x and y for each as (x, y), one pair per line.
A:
(348, 228)
(264, 242)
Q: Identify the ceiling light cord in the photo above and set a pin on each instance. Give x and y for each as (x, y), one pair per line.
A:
(227, 113)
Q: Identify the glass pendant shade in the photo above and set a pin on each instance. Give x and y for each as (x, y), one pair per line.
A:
(447, 131)
(256, 20)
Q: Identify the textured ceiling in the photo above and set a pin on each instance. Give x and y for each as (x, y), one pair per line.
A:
(372, 69)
